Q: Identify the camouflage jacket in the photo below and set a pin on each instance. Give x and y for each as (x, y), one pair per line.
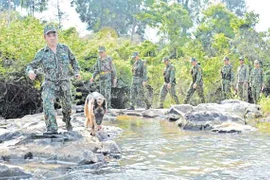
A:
(243, 73)
(169, 74)
(196, 73)
(227, 73)
(103, 66)
(139, 70)
(256, 77)
(55, 66)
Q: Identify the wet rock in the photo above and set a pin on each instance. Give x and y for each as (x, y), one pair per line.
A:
(231, 127)
(110, 147)
(205, 120)
(153, 113)
(174, 114)
(108, 132)
(11, 172)
(183, 108)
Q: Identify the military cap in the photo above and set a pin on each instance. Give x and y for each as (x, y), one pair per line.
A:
(49, 28)
(241, 58)
(101, 49)
(256, 62)
(134, 54)
(165, 59)
(193, 59)
(226, 58)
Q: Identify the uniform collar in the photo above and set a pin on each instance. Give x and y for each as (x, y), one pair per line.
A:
(46, 49)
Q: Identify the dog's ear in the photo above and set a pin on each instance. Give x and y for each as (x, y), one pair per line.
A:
(95, 104)
(104, 105)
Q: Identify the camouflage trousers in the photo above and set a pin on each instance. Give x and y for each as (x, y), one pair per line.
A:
(191, 91)
(106, 88)
(256, 91)
(137, 93)
(49, 96)
(243, 91)
(164, 91)
(226, 89)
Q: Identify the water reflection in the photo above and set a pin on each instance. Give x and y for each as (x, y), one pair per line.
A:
(159, 150)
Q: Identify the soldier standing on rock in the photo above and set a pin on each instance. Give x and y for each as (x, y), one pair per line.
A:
(139, 81)
(227, 78)
(107, 74)
(55, 60)
(256, 81)
(197, 82)
(242, 80)
(169, 82)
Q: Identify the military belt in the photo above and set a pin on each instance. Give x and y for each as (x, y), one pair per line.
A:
(105, 72)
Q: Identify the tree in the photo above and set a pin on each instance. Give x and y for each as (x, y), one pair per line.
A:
(34, 6)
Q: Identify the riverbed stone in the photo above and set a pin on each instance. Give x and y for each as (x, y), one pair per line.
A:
(13, 172)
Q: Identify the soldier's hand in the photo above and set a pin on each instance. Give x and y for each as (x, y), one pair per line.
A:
(77, 76)
(169, 85)
(194, 85)
(114, 82)
(32, 75)
(144, 83)
(91, 80)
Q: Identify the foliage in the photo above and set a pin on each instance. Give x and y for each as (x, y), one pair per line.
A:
(265, 104)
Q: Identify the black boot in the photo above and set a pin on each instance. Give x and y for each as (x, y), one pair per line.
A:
(131, 108)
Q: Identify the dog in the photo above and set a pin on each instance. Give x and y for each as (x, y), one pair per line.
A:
(94, 109)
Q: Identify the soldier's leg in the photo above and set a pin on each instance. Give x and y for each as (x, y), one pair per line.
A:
(257, 93)
(173, 94)
(245, 92)
(133, 94)
(200, 93)
(223, 90)
(48, 100)
(142, 97)
(190, 92)
(163, 93)
(227, 89)
(65, 98)
(107, 92)
(240, 90)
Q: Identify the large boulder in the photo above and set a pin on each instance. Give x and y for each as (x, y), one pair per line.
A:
(12, 172)
(153, 113)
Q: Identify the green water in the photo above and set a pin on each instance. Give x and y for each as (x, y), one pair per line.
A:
(158, 149)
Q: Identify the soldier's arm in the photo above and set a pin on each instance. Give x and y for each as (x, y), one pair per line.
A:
(96, 70)
(144, 73)
(172, 75)
(73, 62)
(198, 75)
(247, 73)
(232, 75)
(35, 63)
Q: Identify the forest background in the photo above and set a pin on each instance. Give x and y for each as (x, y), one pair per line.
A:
(204, 29)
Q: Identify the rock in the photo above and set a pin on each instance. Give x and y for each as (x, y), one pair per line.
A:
(153, 113)
(11, 172)
(183, 108)
(108, 132)
(110, 147)
(232, 127)
(205, 120)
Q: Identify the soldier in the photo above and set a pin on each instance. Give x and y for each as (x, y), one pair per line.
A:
(242, 80)
(169, 82)
(227, 78)
(139, 81)
(197, 82)
(107, 73)
(256, 81)
(54, 60)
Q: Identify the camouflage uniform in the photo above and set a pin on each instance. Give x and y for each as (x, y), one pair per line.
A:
(242, 82)
(139, 72)
(227, 80)
(106, 70)
(256, 83)
(169, 77)
(196, 73)
(56, 68)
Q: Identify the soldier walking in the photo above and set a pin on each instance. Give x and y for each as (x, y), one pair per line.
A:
(227, 78)
(107, 74)
(139, 81)
(54, 60)
(197, 82)
(169, 82)
(242, 80)
(256, 81)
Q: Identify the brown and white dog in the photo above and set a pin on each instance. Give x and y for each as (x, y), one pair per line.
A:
(94, 109)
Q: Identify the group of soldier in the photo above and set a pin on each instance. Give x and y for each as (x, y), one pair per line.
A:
(244, 80)
(55, 60)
